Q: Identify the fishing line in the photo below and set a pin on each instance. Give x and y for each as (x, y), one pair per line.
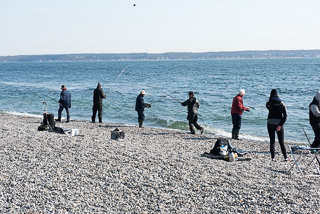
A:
(116, 80)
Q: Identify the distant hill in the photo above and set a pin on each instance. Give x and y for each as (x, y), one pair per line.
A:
(164, 56)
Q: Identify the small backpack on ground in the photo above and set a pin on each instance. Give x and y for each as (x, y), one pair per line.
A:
(117, 134)
(221, 147)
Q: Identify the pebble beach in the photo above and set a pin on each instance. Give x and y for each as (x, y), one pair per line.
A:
(150, 171)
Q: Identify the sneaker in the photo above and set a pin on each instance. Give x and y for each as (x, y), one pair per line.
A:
(273, 159)
(57, 120)
(202, 130)
(286, 160)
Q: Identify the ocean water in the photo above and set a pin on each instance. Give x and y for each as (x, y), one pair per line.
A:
(24, 86)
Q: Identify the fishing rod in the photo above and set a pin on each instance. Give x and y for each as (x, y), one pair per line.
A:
(116, 79)
(310, 143)
(169, 95)
(52, 98)
(158, 99)
(164, 96)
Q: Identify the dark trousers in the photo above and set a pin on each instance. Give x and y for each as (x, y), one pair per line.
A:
(272, 136)
(236, 121)
(60, 111)
(96, 108)
(194, 122)
(316, 130)
(140, 115)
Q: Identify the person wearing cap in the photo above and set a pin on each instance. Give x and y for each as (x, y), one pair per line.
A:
(140, 106)
(98, 96)
(193, 105)
(236, 113)
(314, 118)
(276, 118)
(64, 103)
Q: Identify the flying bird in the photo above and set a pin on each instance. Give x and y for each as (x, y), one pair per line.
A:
(134, 5)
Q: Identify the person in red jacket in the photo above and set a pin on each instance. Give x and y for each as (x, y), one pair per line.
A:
(236, 113)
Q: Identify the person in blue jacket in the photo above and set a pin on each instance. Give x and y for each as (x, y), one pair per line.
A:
(140, 105)
(64, 103)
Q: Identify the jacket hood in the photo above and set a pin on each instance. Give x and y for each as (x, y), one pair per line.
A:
(275, 100)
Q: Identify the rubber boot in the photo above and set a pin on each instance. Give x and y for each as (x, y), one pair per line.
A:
(93, 119)
(232, 134)
(236, 134)
(140, 123)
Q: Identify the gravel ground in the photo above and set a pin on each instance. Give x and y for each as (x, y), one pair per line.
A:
(150, 171)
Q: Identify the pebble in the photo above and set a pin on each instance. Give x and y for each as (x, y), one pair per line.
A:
(151, 170)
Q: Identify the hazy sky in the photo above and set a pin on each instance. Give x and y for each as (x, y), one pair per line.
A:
(154, 26)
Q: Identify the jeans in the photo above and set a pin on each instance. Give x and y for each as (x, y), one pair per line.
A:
(271, 130)
(236, 121)
(60, 111)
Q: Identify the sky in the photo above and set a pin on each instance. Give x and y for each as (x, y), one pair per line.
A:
(30, 27)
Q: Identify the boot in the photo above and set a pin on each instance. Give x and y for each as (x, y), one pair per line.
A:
(236, 134)
(93, 119)
(100, 119)
(140, 123)
(233, 136)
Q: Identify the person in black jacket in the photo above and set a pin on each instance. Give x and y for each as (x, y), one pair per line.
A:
(193, 105)
(276, 118)
(314, 118)
(98, 96)
(64, 103)
(140, 106)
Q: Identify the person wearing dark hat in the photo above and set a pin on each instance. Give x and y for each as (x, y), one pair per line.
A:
(236, 112)
(314, 118)
(64, 103)
(98, 96)
(193, 105)
(140, 106)
(276, 118)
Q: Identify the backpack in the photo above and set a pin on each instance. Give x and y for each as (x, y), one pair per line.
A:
(221, 147)
(117, 134)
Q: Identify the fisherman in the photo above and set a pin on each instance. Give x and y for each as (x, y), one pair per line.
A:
(236, 113)
(314, 118)
(98, 96)
(64, 103)
(140, 106)
(193, 105)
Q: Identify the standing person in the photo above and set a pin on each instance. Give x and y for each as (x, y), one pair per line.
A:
(236, 113)
(98, 96)
(193, 105)
(64, 103)
(314, 118)
(276, 118)
(140, 106)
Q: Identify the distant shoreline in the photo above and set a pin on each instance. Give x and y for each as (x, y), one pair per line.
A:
(102, 57)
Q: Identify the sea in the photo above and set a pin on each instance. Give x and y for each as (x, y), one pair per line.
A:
(25, 86)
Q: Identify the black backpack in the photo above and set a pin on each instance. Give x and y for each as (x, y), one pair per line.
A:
(221, 147)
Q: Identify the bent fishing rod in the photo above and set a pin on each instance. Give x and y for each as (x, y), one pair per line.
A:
(116, 80)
